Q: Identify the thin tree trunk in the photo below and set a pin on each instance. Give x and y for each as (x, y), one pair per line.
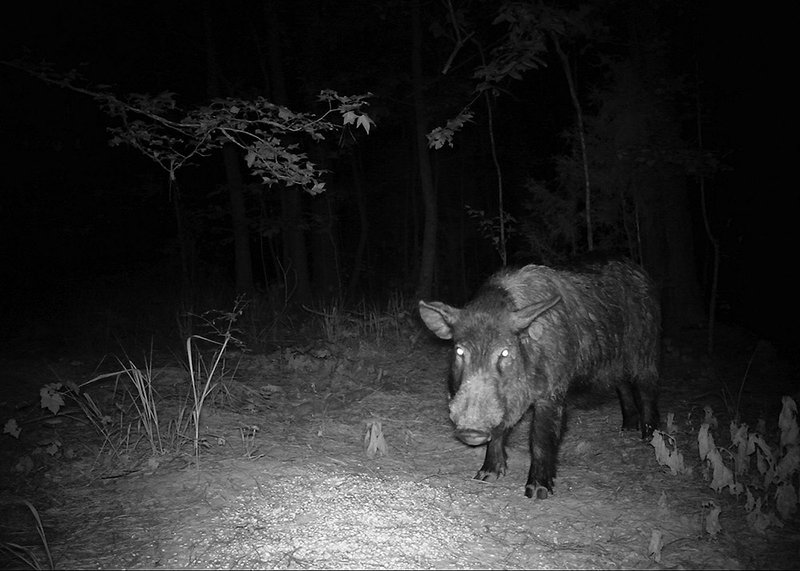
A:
(411, 226)
(501, 246)
(581, 138)
(186, 243)
(233, 171)
(428, 259)
(363, 230)
(324, 247)
(712, 301)
(668, 242)
(462, 232)
(295, 254)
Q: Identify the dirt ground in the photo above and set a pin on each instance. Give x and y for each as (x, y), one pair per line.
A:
(285, 479)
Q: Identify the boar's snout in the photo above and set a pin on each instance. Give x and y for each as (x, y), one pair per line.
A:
(473, 437)
(476, 411)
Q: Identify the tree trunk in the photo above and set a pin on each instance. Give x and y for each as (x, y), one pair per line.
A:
(573, 93)
(461, 230)
(428, 260)
(233, 171)
(324, 240)
(186, 246)
(363, 230)
(241, 230)
(669, 244)
(295, 254)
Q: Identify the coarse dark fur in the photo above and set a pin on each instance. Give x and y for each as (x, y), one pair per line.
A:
(531, 333)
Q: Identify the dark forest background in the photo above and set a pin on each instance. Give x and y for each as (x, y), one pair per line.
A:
(675, 97)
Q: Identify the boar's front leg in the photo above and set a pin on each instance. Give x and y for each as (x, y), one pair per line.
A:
(628, 403)
(494, 464)
(545, 437)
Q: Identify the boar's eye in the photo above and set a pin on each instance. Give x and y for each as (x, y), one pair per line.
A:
(501, 359)
(460, 352)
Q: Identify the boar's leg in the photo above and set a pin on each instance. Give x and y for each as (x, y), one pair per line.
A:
(494, 464)
(630, 406)
(638, 402)
(648, 395)
(545, 437)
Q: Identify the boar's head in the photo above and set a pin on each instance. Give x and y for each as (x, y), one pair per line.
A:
(490, 388)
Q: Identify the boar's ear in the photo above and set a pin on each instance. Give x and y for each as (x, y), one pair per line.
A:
(522, 318)
(439, 317)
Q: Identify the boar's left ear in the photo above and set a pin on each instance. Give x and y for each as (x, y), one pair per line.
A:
(439, 317)
(522, 318)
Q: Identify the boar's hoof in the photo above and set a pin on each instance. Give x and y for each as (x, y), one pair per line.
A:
(537, 491)
(473, 437)
(490, 475)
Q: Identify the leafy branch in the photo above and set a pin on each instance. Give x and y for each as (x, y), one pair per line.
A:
(173, 137)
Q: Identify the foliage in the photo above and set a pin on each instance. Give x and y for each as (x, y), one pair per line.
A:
(667, 452)
(489, 228)
(143, 413)
(145, 401)
(204, 378)
(174, 137)
(374, 441)
(521, 47)
(393, 323)
(25, 554)
(770, 491)
(551, 223)
(441, 136)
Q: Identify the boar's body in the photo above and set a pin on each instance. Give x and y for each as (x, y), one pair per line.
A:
(528, 335)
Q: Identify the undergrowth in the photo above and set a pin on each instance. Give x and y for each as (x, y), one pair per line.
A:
(758, 467)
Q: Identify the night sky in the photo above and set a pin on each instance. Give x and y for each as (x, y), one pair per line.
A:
(74, 207)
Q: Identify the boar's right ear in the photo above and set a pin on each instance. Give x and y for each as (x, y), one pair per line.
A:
(439, 317)
(522, 318)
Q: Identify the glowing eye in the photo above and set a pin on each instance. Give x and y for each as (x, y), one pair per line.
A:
(460, 351)
(504, 353)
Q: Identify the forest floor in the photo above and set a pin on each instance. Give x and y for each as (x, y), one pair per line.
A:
(292, 473)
